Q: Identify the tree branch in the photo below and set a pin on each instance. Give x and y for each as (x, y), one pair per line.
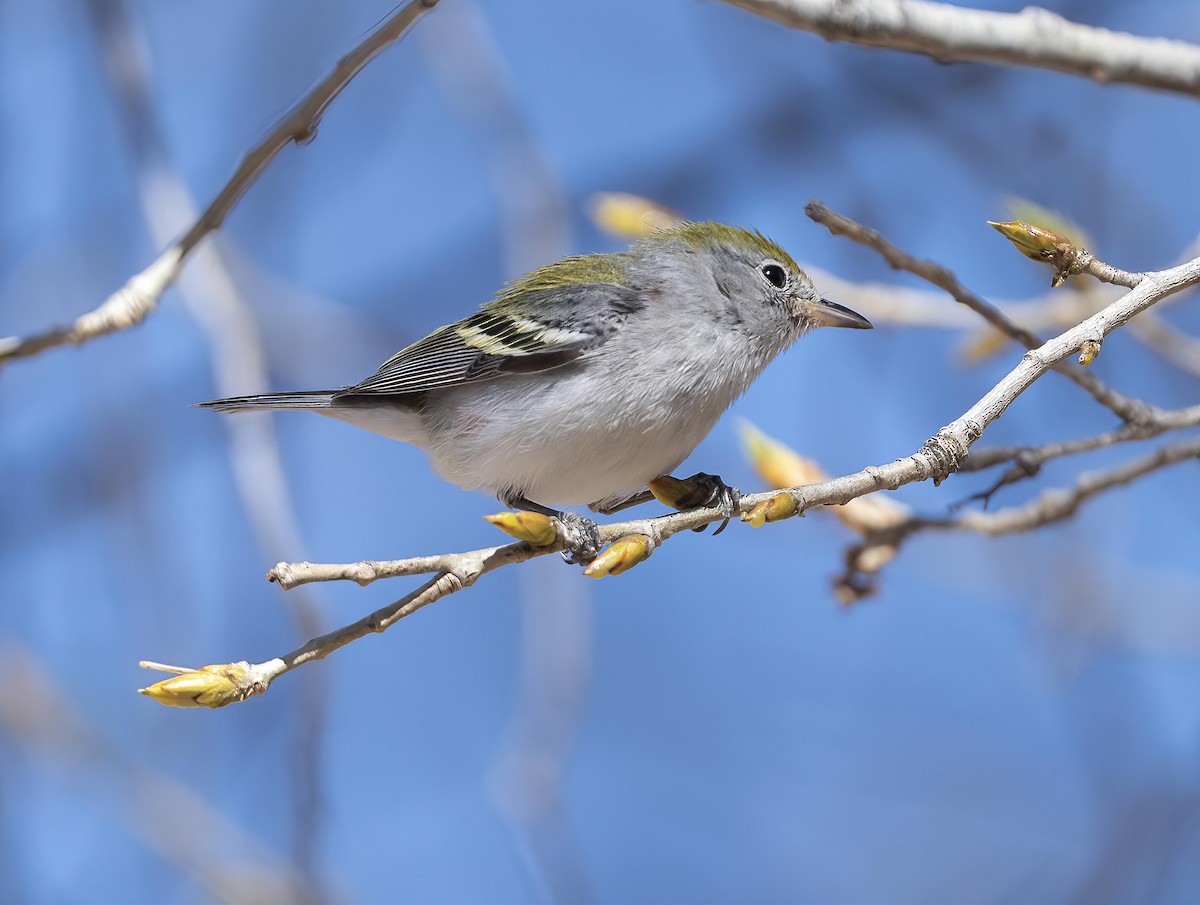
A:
(1124, 407)
(1056, 505)
(1032, 37)
(1159, 423)
(131, 303)
(865, 559)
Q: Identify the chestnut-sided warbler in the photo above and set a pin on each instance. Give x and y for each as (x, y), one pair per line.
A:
(586, 379)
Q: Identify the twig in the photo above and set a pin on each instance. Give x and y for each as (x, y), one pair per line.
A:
(1057, 505)
(131, 303)
(1160, 423)
(863, 562)
(1124, 407)
(1032, 37)
(227, 861)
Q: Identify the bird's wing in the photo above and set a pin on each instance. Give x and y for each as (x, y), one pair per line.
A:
(555, 328)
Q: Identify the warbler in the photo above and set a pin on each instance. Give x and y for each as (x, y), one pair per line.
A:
(584, 380)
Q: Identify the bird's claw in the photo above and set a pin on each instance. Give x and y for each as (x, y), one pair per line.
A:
(712, 491)
(580, 538)
(698, 491)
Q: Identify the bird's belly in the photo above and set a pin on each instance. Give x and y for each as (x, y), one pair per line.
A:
(556, 446)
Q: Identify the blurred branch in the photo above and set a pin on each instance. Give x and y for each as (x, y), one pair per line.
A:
(212, 297)
(1175, 346)
(637, 539)
(911, 307)
(131, 303)
(1033, 37)
(169, 818)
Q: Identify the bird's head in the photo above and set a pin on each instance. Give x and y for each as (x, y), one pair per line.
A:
(746, 278)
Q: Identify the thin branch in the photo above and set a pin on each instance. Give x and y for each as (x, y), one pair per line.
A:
(1032, 37)
(1159, 423)
(939, 457)
(864, 560)
(131, 303)
(227, 861)
(1057, 505)
(1124, 407)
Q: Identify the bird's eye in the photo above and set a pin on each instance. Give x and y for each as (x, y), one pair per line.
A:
(775, 275)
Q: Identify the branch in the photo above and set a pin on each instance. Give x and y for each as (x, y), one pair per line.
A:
(1032, 37)
(229, 861)
(1124, 407)
(1030, 458)
(130, 304)
(1057, 505)
(864, 560)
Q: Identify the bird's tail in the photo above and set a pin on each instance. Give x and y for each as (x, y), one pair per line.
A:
(271, 402)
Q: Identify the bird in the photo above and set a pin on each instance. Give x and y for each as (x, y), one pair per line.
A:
(581, 382)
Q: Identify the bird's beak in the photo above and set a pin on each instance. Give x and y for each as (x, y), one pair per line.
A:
(831, 314)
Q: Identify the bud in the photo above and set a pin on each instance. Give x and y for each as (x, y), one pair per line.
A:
(630, 216)
(774, 509)
(209, 686)
(981, 345)
(1088, 351)
(1041, 245)
(679, 493)
(622, 556)
(532, 527)
(777, 464)
(1049, 219)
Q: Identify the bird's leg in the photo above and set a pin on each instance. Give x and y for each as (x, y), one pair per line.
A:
(581, 536)
(699, 490)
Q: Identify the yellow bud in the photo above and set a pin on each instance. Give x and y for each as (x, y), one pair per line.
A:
(1050, 219)
(673, 492)
(981, 345)
(774, 509)
(630, 216)
(622, 556)
(531, 527)
(777, 464)
(1031, 241)
(1088, 351)
(209, 686)
(781, 467)
(1041, 245)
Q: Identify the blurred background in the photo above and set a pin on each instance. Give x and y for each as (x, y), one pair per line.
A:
(1007, 720)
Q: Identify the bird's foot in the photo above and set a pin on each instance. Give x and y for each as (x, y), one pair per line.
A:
(698, 491)
(580, 537)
